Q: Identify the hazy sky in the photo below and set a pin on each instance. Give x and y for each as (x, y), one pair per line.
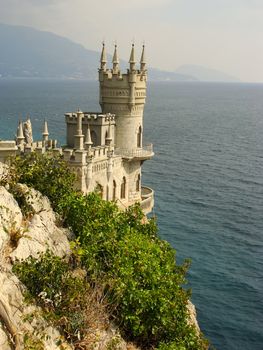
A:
(223, 34)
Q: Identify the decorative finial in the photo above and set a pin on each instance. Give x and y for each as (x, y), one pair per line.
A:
(103, 57)
(88, 141)
(132, 56)
(143, 61)
(115, 60)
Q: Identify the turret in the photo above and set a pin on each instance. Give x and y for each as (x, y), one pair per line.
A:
(132, 60)
(45, 133)
(123, 94)
(103, 59)
(20, 138)
(88, 141)
(143, 61)
(79, 137)
(115, 62)
(109, 136)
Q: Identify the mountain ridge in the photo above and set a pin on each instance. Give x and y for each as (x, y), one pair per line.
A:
(41, 54)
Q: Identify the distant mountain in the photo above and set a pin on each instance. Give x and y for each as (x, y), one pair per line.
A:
(205, 74)
(29, 53)
(26, 52)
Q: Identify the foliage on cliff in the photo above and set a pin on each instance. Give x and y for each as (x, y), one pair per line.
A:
(137, 270)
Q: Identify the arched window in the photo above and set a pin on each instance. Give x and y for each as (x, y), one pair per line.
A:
(138, 183)
(99, 190)
(93, 137)
(123, 187)
(106, 136)
(114, 187)
(139, 137)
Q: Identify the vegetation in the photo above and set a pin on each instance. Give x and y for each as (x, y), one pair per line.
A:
(136, 270)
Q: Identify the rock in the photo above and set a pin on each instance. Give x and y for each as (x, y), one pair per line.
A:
(4, 341)
(41, 232)
(35, 234)
(109, 339)
(192, 316)
(13, 312)
(34, 199)
(10, 219)
(3, 171)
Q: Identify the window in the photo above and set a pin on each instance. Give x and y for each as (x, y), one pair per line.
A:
(138, 183)
(123, 187)
(99, 190)
(139, 137)
(114, 190)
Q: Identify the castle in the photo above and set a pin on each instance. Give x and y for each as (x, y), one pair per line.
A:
(105, 150)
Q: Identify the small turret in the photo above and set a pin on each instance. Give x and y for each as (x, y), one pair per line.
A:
(79, 137)
(88, 141)
(103, 58)
(132, 59)
(115, 62)
(20, 138)
(109, 136)
(143, 61)
(45, 133)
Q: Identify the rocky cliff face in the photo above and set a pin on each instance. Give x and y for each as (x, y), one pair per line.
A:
(20, 238)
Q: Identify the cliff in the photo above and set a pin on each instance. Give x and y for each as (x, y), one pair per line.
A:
(22, 323)
(19, 239)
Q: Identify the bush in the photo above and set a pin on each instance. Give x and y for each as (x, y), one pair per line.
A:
(68, 301)
(46, 173)
(137, 270)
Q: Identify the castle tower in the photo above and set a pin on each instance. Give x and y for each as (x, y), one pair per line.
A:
(123, 94)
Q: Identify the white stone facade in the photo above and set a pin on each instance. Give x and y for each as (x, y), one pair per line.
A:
(105, 150)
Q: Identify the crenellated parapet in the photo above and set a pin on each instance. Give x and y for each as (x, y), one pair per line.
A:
(124, 94)
(99, 125)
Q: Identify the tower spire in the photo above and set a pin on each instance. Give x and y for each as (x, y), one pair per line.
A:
(115, 61)
(20, 138)
(132, 59)
(45, 132)
(88, 141)
(109, 137)
(143, 61)
(103, 58)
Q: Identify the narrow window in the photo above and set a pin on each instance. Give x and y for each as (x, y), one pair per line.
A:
(139, 137)
(123, 187)
(114, 187)
(138, 183)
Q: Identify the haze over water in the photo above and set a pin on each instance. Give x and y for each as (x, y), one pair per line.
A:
(207, 174)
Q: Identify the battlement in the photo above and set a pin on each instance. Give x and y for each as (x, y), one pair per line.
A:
(90, 117)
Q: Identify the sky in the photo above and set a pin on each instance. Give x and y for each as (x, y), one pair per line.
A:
(226, 35)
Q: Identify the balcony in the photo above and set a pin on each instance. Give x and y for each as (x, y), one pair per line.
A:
(147, 202)
(146, 152)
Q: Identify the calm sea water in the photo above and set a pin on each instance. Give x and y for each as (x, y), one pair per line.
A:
(208, 176)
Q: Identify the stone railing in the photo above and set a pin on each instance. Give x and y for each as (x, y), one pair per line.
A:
(147, 202)
(144, 152)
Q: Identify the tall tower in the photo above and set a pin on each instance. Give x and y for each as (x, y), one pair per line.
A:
(123, 94)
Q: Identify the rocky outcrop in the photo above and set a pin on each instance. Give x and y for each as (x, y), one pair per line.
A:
(21, 325)
(41, 231)
(20, 238)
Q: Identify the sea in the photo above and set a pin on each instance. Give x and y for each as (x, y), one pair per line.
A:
(207, 174)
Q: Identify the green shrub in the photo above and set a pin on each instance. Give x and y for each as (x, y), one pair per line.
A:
(68, 301)
(46, 173)
(136, 269)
